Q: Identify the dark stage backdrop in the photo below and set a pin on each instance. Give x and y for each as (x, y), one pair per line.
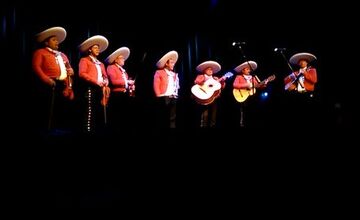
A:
(202, 167)
(199, 32)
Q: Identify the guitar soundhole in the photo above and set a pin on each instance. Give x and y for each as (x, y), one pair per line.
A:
(210, 85)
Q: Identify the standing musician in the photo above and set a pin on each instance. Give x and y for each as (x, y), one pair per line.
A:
(245, 85)
(95, 83)
(166, 85)
(122, 87)
(55, 73)
(300, 87)
(210, 86)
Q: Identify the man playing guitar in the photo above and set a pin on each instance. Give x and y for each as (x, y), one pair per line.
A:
(245, 84)
(213, 85)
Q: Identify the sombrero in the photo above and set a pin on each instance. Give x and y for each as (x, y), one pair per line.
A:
(302, 56)
(124, 51)
(59, 32)
(169, 55)
(215, 66)
(246, 64)
(94, 40)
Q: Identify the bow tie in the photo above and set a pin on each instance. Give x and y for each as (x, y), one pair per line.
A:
(57, 53)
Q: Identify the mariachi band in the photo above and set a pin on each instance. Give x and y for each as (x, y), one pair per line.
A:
(107, 87)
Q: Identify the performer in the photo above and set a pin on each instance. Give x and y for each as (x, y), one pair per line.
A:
(300, 97)
(304, 79)
(95, 83)
(245, 85)
(55, 73)
(122, 89)
(209, 86)
(166, 86)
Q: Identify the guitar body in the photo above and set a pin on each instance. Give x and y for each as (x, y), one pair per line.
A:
(205, 94)
(242, 94)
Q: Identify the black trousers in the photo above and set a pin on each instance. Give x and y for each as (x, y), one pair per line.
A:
(51, 110)
(121, 112)
(95, 114)
(208, 114)
(166, 112)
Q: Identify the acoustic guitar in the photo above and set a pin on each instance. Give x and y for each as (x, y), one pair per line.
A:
(205, 94)
(242, 94)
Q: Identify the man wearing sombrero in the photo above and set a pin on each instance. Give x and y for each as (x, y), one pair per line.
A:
(166, 86)
(121, 88)
(301, 109)
(54, 70)
(304, 79)
(93, 75)
(244, 85)
(208, 110)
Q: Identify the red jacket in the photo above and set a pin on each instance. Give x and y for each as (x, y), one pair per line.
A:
(160, 82)
(88, 72)
(241, 83)
(45, 66)
(116, 79)
(310, 78)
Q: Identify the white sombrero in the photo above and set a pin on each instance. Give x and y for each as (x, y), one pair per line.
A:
(215, 66)
(94, 40)
(59, 32)
(302, 56)
(124, 51)
(170, 55)
(246, 64)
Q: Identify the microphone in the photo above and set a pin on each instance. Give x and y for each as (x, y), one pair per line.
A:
(238, 43)
(279, 49)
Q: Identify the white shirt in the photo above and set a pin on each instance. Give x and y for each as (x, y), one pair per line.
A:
(100, 78)
(60, 62)
(123, 75)
(173, 84)
(300, 85)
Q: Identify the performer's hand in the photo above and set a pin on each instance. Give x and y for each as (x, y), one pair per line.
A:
(105, 82)
(70, 71)
(292, 76)
(52, 83)
(131, 82)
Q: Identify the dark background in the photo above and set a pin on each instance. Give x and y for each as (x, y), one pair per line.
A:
(199, 32)
(188, 164)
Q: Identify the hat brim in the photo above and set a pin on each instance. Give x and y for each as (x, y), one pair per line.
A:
(59, 32)
(169, 55)
(215, 66)
(302, 56)
(95, 40)
(239, 68)
(123, 51)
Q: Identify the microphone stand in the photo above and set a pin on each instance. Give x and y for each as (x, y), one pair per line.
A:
(283, 55)
(292, 70)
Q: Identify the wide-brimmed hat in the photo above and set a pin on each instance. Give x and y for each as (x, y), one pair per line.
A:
(124, 51)
(94, 40)
(169, 55)
(59, 32)
(302, 56)
(215, 66)
(253, 65)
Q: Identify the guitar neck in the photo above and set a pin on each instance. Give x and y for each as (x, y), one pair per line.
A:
(269, 79)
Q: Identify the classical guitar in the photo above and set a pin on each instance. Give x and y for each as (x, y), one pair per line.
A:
(242, 94)
(205, 94)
